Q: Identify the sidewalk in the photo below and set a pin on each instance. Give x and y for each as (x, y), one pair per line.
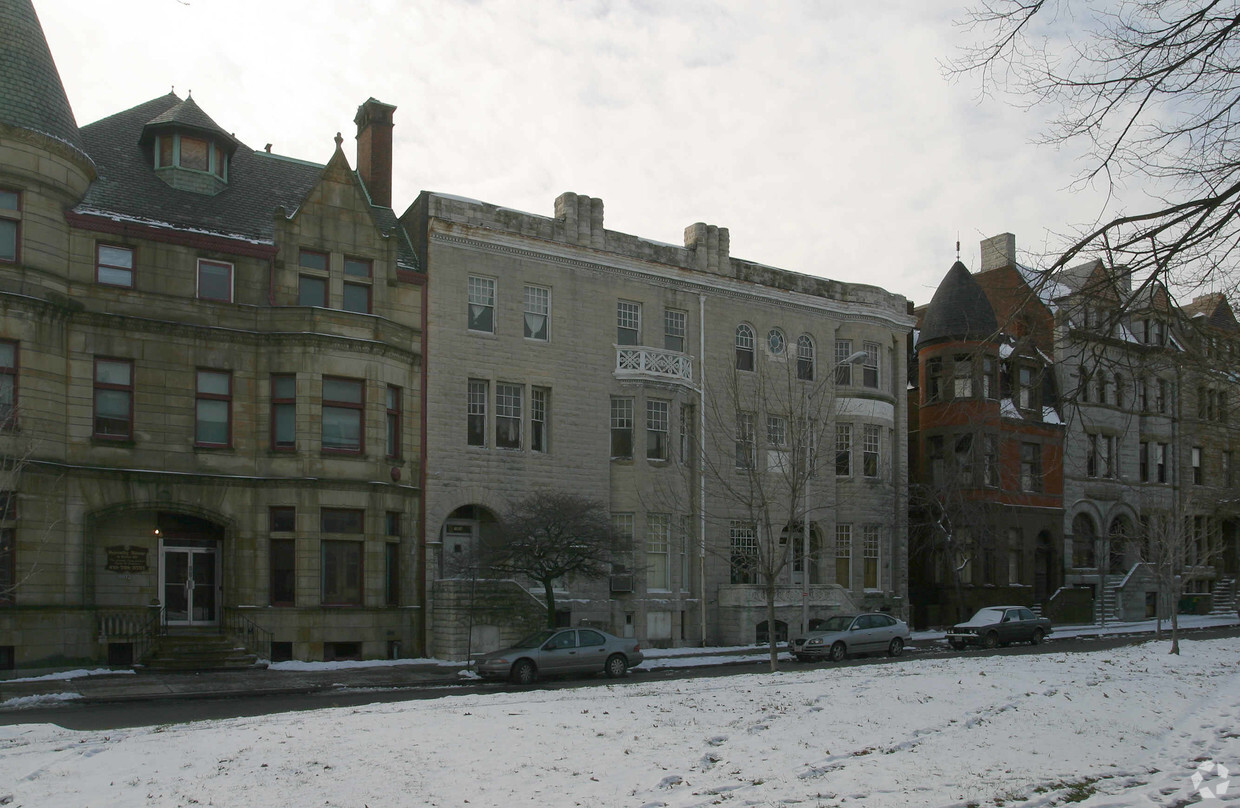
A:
(103, 685)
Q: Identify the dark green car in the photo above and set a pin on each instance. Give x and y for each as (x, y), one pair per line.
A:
(999, 625)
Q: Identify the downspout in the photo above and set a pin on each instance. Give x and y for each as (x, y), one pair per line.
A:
(422, 453)
(271, 279)
(702, 465)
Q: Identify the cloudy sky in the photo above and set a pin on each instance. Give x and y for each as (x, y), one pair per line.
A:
(821, 133)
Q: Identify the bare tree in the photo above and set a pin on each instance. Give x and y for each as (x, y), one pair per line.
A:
(1179, 548)
(17, 461)
(764, 467)
(549, 535)
(1147, 90)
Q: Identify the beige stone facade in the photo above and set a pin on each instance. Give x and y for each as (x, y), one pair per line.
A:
(550, 333)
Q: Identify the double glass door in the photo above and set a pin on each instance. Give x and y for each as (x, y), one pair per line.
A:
(190, 576)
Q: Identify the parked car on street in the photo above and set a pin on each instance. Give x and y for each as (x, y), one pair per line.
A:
(844, 634)
(999, 625)
(555, 651)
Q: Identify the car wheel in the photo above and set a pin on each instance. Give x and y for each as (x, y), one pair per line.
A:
(838, 652)
(616, 667)
(956, 645)
(991, 640)
(801, 657)
(524, 672)
(896, 648)
(1037, 636)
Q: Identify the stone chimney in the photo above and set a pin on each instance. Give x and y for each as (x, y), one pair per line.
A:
(580, 219)
(374, 149)
(711, 246)
(998, 251)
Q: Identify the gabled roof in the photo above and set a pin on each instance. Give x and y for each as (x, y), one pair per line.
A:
(959, 310)
(1214, 310)
(32, 96)
(259, 183)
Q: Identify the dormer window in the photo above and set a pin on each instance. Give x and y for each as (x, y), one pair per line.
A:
(175, 150)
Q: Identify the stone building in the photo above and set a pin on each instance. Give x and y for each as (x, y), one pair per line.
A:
(666, 382)
(986, 489)
(210, 374)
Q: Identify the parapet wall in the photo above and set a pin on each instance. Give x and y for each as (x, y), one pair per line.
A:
(578, 221)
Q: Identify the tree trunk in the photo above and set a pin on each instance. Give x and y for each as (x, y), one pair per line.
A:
(771, 641)
(1175, 619)
(550, 593)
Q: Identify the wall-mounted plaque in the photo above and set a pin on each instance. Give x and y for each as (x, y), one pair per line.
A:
(127, 559)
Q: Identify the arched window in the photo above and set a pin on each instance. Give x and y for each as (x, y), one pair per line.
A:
(805, 358)
(744, 347)
(775, 342)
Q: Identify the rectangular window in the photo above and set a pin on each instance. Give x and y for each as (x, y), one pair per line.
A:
(481, 313)
(344, 405)
(1030, 467)
(745, 440)
(114, 265)
(8, 384)
(356, 297)
(843, 368)
(313, 259)
(537, 312)
(1198, 472)
(392, 421)
(391, 524)
(962, 377)
(342, 573)
(990, 467)
(358, 267)
(1162, 396)
(113, 399)
(658, 551)
(869, 368)
(777, 444)
(843, 556)
(870, 456)
(283, 562)
(1015, 542)
(508, 398)
(1227, 474)
(1160, 461)
(1026, 397)
(476, 412)
(215, 280)
(213, 408)
(1143, 460)
(936, 460)
(843, 450)
(1143, 395)
(657, 425)
(282, 518)
(391, 574)
(283, 412)
(10, 225)
(621, 428)
(990, 378)
(342, 520)
(8, 566)
(686, 537)
(194, 153)
(869, 549)
(628, 323)
(311, 291)
(687, 429)
(540, 398)
(743, 557)
(964, 460)
(674, 330)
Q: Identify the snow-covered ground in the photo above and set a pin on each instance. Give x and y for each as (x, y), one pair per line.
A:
(1119, 727)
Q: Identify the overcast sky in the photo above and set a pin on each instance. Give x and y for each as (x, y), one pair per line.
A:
(822, 134)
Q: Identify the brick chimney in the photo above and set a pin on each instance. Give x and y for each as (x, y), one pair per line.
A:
(374, 149)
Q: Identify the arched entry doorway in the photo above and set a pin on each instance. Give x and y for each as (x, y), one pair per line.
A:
(190, 569)
(794, 535)
(464, 534)
(1044, 583)
(1084, 536)
(1118, 536)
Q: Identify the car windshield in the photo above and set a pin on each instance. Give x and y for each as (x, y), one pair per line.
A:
(840, 622)
(536, 639)
(986, 617)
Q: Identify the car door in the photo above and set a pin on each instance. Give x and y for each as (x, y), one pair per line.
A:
(1012, 629)
(559, 654)
(591, 650)
(864, 634)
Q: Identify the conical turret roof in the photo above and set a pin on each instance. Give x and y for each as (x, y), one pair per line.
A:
(31, 94)
(959, 310)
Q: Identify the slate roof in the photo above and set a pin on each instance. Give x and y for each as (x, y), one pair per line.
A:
(1216, 311)
(258, 182)
(188, 115)
(959, 310)
(31, 94)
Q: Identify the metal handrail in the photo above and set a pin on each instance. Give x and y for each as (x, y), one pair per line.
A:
(257, 639)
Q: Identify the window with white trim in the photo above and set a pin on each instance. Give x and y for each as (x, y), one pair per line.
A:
(508, 398)
(843, 555)
(869, 368)
(674, 327)
(622, 429)
(476, 412)
(743, 552)
(540, 398)
(869, 550)
(628, 323)
(481, 310)
(537, 312)
(658, 551)
(870, 451)
(657, 425)
(744, 347)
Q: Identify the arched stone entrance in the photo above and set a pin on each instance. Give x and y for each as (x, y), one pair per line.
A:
(1119, 534)
(464, 534)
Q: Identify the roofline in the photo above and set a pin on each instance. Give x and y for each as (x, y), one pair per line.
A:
(101, 223)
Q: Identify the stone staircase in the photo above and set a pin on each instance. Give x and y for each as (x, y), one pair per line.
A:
(207, 650)
(1224, 600)
(1108, 604)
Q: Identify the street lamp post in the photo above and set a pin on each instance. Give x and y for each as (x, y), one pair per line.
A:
(852, 359)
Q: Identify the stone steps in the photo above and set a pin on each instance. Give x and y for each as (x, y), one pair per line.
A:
(199, 652)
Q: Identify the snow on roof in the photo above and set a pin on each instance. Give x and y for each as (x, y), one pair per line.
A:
(1050, 416)
(1008, 409)
(120, 217)
(1044, 286)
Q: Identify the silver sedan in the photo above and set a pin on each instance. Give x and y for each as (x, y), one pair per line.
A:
(554, 651)
(845, 634)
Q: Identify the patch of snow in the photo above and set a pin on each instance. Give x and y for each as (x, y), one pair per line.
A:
(74, 674)
(343, 664)
(40, 700)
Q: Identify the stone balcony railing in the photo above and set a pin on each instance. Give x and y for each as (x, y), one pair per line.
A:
(638, 362)
(753, 595)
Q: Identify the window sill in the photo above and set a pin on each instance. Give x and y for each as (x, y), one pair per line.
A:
(212, 447)
(345, 453)
(123, 443)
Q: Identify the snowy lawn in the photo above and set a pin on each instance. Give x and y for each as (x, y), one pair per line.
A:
(1119, 727)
